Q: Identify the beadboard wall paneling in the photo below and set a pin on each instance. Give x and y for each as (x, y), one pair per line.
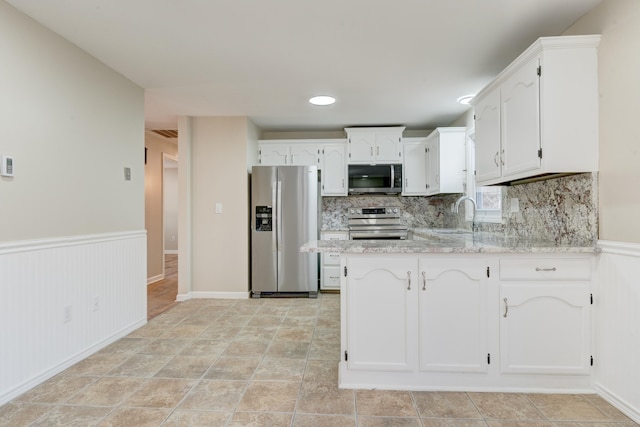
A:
(617, 326)
(63, 299)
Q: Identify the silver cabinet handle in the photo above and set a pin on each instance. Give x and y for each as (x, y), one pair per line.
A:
(424, 281)
(502, 157)
(409, 279)
(285, 159)
(545, 269)
(406, 182)
(371, 150)
(495, 159)
(377, 151)
(342, 182)
(506, 307)
(292, 159)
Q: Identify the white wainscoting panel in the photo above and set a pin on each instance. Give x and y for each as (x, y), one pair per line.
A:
(63, 299)
(617, 326)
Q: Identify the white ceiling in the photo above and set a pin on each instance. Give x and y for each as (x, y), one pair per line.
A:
(388, 62)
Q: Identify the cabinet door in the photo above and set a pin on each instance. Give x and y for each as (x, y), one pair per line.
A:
(520, 112)
(388, 147)
(274, 154)
(433, 166)
(334, 172)
(381, 312)
(361, 147)
(545, 329)
(415, 167)
(303, 154)
(453, 315)
(487, 138)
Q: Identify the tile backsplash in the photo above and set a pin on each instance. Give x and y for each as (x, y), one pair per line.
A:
(563, 210)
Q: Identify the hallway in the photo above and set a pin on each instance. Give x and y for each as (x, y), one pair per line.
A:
(161, 295)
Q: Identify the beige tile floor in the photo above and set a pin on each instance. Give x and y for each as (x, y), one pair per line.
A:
(267, 362)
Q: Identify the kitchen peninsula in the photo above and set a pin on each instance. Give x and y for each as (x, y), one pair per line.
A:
(454, 310)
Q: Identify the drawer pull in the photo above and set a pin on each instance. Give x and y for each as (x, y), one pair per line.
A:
(506, 307)
(424, 281)
(545, 269)
(409, 280)
(334, 277)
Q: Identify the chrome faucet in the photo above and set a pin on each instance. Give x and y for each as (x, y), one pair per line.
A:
(473, 202)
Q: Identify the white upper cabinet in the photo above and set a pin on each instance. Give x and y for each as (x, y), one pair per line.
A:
(445, 159)
(288, 153)
(540, 115)
(375, 145)
(333, 163)
(415, 167)
(330, 155)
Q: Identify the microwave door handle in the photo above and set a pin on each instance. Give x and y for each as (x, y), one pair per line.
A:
(393, 179)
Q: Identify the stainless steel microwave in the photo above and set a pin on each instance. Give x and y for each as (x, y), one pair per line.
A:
(375, 179)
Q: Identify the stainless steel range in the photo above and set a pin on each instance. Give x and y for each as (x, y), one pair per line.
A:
(376, 223)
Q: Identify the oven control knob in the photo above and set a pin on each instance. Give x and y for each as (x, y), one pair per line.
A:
(395, 210)
(352, 211)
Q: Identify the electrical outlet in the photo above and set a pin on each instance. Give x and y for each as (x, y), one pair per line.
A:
(515, 205)
(127, 174)
(96, 303)
(67, 314)
(218, 207)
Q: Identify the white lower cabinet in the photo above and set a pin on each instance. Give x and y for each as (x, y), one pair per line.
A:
(545, 322)
(466, 322)
(381, 295)
(330, 273)
(453, 315)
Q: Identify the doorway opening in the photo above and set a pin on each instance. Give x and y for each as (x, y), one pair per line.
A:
(162, 294)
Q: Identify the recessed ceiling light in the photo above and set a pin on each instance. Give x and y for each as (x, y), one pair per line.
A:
(464, 100)
(322, 100)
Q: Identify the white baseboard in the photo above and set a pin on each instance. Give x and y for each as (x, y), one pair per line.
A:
(619, 403)
(155, 279)
(171, 252)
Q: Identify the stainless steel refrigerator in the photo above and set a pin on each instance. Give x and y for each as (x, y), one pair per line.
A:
(284, 216)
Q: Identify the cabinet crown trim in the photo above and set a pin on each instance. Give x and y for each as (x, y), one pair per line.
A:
(543, 43)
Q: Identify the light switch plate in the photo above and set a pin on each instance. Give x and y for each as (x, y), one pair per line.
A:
(218, 208)
(127, 174)
(6, 166)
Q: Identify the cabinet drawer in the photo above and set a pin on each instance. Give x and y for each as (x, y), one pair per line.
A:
(545, 269)
(330, 259)
(343, 235)
(330, 278)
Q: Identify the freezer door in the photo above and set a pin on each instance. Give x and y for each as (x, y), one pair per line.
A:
(263, 236)
(296, 223)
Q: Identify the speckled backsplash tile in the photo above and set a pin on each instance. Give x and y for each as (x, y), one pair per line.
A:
(563, 210)
(417, 212)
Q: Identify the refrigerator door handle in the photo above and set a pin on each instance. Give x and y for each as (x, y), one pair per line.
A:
(274, 240)
(278, 234)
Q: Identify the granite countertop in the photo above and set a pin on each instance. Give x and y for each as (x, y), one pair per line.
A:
(449, 241)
